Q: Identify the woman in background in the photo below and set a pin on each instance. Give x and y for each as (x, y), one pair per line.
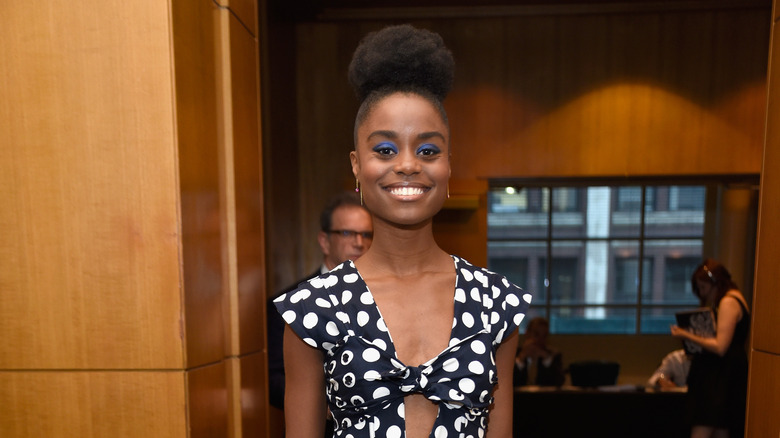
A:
(407, 340)
(538, 363)
(717, 380)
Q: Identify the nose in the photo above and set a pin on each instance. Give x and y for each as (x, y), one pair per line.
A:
(407, 163)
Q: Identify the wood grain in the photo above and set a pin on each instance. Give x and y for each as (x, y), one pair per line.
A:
(122, 404)
(89, 246)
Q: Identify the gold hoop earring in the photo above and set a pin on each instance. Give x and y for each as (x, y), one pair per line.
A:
(448, 190)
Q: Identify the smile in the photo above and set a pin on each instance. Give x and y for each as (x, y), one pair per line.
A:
(406, 191)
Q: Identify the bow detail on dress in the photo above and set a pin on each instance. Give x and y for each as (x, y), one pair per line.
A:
(443, 379)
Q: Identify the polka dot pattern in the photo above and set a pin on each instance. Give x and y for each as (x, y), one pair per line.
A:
(366, 383)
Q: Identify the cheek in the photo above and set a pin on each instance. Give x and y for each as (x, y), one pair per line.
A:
(442, 172)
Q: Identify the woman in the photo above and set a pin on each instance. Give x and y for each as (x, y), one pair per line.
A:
(412, 341)
(536, 362)
(717, 380)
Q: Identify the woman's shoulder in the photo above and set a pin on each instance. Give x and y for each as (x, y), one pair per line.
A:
(483, 275)
(335, 279)
(736, 298)
(472, 279)
(315, 310)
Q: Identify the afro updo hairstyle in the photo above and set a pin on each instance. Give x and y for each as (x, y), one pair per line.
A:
(401, 58)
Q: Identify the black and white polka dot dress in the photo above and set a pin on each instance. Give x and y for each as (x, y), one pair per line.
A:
(366, 383)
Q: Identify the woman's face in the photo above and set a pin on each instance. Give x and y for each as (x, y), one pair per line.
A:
(706, 290)
(402, 159)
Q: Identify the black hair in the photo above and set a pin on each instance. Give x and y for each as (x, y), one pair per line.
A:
(401, 58)
(343, 199)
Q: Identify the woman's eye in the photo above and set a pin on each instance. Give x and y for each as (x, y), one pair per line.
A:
(385, 149)
(428, 150)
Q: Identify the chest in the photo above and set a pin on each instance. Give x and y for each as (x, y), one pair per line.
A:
(418, 313)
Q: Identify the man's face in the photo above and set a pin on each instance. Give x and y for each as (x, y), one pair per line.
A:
(338, 247)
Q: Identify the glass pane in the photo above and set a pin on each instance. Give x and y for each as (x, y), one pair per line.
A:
(515, 269)
(676, 261)
(657, 320)
(626, 214)
(593, 320)
(523, 263)
(517, 213)
(626, 276)
(678, 211)
(677, 280)
(565, 278)
(568, 218)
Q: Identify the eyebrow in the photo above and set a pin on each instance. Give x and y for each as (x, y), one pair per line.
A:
(394, 135)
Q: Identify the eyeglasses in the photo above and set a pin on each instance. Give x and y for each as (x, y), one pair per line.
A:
(351, 234)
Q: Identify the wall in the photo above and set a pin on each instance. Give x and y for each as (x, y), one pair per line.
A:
(132, 264)
(764, 377)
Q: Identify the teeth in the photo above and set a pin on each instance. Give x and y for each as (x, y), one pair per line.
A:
(406, 191)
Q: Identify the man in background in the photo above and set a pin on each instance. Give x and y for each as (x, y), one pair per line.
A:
(673, 371)
(345, 233)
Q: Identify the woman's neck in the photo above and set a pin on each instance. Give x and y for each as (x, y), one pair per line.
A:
(402, 250)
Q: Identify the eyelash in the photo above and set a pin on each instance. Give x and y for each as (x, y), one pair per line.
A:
(426, 150)
(385, 149)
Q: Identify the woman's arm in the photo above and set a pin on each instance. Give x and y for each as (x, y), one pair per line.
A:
(729, 313)
(500, 424)
(304, 394)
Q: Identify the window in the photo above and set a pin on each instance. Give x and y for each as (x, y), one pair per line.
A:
(602, 258)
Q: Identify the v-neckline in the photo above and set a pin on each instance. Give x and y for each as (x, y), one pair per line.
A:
(386, 331)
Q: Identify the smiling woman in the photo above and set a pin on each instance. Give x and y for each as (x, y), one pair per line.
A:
(402, 159)
(413, 341)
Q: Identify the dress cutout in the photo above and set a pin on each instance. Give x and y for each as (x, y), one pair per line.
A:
(366, 383)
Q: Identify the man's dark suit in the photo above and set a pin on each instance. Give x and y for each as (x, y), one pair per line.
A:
(275, 331)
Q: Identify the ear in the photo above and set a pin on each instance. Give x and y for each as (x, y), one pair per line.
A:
(322, 239)
(353, 158)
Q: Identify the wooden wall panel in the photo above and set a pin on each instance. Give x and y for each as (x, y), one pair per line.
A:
(245, 11)
(461, 226)
(253, 396)
(623, 101)
(281, 192)
(249, 290)
(121, 404)
(764, 376)
(195, 34)
(89, 245)
(763, 396)
(121, 212)
(767, 301)
(207, 401)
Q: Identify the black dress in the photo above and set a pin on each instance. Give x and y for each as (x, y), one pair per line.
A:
(717, 386)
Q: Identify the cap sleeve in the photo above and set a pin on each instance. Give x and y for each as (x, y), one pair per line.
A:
(311, 312)
(510, 303)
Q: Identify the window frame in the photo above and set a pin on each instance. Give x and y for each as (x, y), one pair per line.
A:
(639, 306)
